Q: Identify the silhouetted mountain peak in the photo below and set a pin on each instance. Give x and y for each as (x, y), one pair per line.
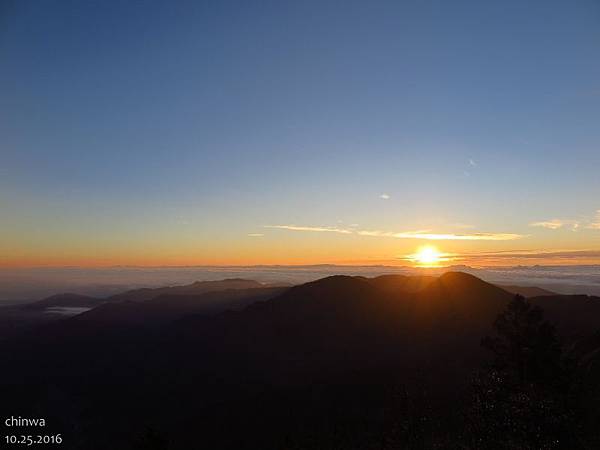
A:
(462, 299)
(458, 277)
(402, 283)
(467, 284)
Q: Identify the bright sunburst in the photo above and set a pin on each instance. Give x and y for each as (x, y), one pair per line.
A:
(428, 255)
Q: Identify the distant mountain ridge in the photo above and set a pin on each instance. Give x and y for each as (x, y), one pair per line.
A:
(164, 308)
(146, 307)
(407, 283)
(198, 287)
(65, 300)
(143, 294)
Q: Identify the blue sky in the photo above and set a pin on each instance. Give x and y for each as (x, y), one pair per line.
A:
(141, 131)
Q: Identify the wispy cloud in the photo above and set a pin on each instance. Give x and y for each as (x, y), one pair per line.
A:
(425, 234)
(255, 234)
(472, 162)
(553, 224)
(590, 223)
(533, 254)
(421, 234)
(595, 224)
(384, 196)
(313, 229)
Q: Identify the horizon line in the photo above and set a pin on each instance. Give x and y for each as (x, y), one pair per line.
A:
(291, 266)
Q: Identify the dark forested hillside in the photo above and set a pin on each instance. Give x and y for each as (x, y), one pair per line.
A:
(341, 362)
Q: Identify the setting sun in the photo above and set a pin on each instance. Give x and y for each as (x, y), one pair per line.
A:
(427, 256)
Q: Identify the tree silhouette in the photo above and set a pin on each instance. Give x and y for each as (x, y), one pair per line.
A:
(523, 398)
(526, 347)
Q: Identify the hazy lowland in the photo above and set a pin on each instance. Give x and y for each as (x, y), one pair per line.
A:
(429, 361)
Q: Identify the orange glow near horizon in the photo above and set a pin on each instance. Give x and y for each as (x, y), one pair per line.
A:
(265, 251)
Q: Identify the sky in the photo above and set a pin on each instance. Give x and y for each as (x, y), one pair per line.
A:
(199, 133)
